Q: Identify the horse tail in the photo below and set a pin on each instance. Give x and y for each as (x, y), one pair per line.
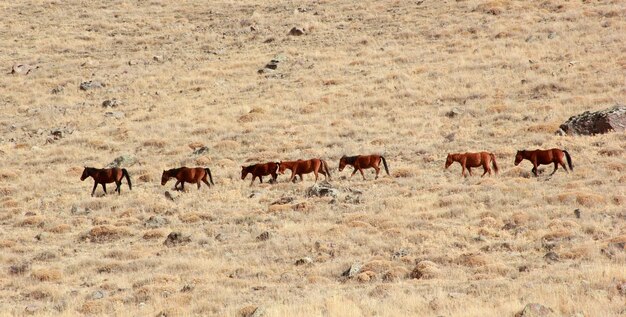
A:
(125, 174)
(493, 162)
(326, 168)
(208, 171)
(385, 164)
(569, 160)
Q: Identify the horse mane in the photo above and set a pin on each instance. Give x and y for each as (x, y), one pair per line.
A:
(173, 170)
(350, 159)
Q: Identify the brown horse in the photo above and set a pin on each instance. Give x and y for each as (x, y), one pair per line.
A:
(106, 175)
(260, 170)
(544, 157)
(361, 162)
(300, 167)
(469, 160)
(190, 175)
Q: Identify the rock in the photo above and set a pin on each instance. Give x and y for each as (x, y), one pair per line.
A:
(273, 64)
(22, 69)
(157, 58)
(551, 35)
(156, 222)
(31, 309)
(283, 201)
(590, 123)
(111, 103)
(98, 295)
(19, 269)
(296, 31)
(187, 288)
(57, 90)
(353, 270)
(577, 213)
(176, 239)
(251, 311)
(551, 257)
(115, 114)
(455, 112)
(450, 137)
(92, 84)
(321, 190)
(534, 310)
(123, 161)
(263, 236)
(380, 291)
(201, 150)
(77, 210)
(169, 196)
(425, 270)
(304, 261)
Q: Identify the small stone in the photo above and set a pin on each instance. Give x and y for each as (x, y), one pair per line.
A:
(450, 137)
(157, 58)
(77, 210)
(123, 161)
(111, 103)
(263, 236)
(57, 90)
(455, 112)
(577, 213)
(534, 310)
(98, 294)
(551, 35)
(187, 288)
(304, 261)
(201, 150)
(353, 270)
(22, 69)
(296, 31)
(322, 189)
(176, 239)
(92, 84)
(283, 201)
(551, 257)
(156, 222)
(31, 309)
(19, 269)
(115, 114)
(169, 196)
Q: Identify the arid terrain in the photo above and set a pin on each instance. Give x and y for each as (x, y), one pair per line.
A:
(412, 80)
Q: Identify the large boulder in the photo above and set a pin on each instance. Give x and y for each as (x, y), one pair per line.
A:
(599, 122)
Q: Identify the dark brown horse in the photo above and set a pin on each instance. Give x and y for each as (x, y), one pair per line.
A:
(545, 157)
(186, 174)
(469, 160)
(260, 170)
(300, 167)
(105, 176)
(361, 162)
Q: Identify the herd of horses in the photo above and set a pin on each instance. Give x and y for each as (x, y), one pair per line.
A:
(198, 175)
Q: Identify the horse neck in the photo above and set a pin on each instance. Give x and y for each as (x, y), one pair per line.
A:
(456, 157)
(351, 159)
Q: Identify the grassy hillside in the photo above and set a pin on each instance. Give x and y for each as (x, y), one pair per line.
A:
(412, 80)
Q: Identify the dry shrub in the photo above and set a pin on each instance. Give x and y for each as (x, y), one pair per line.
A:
(226, 145)
(38, 294)
(7, 243)
(497, 108)
(472, 260)
(7, 175)
(101, 234)
(91, 307)
(204, 161)
(154, 143)
(98, 221)
(358, 224)
(611, 152)
(488, 222)
(589, 200)
(403, 172)
(62, 228)
(191, 217)
(32, 221)
(618, 239)
(395, 274)
(425, 270)
(493, 7)
(46, 274)
(561, 233)
(154, 234)
(543, 128)
(365, 276)
(578, 252)
(377, 266)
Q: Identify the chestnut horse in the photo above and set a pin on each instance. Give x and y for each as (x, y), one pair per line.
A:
(361, 162)
(300, 167)
(104, 176)
(544, 157)
(260, 170)
(189, 175)
(469, 160)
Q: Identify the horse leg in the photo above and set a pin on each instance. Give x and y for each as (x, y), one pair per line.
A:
(205, 181)
(252, 182)
(486, 169)
(556, 167)
(198, 183)
(104, 186)
(182, 186)
(316, 175)
(469, 169)
(462, 169)
(377, 171)
(118, 189)
(362, 174)
(95, 184)
(261, 179)
(293, 177)
(353, 172)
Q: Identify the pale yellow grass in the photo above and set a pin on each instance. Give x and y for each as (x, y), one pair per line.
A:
(367, 77)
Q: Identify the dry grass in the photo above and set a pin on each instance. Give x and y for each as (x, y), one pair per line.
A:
(366, 77)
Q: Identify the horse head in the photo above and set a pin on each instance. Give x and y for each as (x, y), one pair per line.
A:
(342, 163)
(244, 171)
(85, 173)
(164, 177)
(449, 160)
(519, 156)
(281, 167)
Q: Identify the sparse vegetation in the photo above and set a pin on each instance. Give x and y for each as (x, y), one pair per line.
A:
(412, 80)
